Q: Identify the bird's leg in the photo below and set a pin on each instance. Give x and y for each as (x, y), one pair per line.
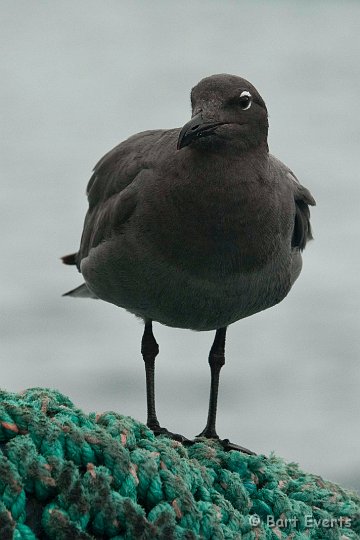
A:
(216, 361)
(149, 351)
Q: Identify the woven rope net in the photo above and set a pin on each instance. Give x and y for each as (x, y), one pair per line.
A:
(69, 475)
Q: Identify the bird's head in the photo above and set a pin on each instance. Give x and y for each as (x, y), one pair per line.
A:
(225, 110)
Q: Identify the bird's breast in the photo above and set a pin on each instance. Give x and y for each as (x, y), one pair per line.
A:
(219, 228)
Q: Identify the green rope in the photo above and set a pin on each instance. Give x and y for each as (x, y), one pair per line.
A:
(67, 475)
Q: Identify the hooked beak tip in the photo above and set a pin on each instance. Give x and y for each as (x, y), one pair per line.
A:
(196, 128)
(189, 131)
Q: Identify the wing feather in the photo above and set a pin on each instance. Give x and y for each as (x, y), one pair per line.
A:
(111, 190)
(302, 232)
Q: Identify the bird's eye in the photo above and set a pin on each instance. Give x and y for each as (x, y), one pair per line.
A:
(245, 100)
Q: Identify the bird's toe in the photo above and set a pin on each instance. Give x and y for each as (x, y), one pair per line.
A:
(228, 445)
(158, 430)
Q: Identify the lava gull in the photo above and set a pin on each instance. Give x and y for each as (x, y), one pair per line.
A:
(195, 227)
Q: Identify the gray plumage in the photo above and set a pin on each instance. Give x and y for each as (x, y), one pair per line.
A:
(201, 236)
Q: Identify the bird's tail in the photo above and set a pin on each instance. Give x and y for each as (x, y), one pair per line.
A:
(69, 259)
(81, 292)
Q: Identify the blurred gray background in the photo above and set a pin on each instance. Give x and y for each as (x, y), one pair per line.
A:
(77, 78)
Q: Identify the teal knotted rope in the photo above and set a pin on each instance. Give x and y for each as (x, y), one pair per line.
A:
(67, 475)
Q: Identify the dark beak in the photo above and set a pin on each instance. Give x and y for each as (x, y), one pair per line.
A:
(196, 128)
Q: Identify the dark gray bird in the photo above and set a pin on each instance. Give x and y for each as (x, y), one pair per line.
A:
(195, 227)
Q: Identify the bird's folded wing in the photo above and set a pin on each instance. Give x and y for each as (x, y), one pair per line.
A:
(303, 199)
(302, 228)
(112, 190)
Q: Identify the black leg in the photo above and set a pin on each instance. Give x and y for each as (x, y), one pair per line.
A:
(149, 351)
(216, 362)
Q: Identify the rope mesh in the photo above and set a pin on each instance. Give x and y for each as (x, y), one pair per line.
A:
(69, 475)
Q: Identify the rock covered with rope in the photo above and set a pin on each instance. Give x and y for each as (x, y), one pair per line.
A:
(67, 475)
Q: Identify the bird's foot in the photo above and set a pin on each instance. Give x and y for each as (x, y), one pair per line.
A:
(225, 443)
(158, 430)
(228, 445)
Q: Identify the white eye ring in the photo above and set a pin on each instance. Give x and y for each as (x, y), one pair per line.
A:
(245, 103)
